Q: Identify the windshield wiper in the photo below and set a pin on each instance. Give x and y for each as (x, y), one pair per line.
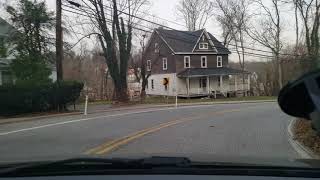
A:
(152, 165)
(89, 165)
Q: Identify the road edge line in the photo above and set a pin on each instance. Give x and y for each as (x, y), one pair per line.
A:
(302, 150)
(11, 121)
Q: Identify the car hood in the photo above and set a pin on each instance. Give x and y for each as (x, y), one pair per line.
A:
(214, 159)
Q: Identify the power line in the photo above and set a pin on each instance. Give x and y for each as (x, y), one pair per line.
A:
(164, 19)
(92, 16)
(108, 20)
(190, 33)
(247, 53)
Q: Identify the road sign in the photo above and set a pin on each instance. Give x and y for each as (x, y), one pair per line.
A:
(165, 81)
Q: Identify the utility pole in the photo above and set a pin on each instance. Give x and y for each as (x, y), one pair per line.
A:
(59, 41)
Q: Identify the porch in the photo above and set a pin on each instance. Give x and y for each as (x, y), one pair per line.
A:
(213, 82)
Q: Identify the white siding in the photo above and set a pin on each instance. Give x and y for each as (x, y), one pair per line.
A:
(182, 85)
(195, 85)
(159, 88)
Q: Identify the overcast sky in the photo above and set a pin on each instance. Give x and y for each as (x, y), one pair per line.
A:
(166, 9)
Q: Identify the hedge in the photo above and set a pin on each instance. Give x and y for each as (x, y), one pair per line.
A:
(28, 98)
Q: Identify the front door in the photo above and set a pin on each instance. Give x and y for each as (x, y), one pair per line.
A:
(203, 85)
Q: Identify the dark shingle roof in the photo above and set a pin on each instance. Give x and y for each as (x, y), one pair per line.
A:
(192, 72)
(184, 41)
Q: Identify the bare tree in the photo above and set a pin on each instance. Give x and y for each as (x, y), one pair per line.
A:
(297, 21)
(113, 23)
(233, 19)
(310, 13)
(195, 13)
(269, 33)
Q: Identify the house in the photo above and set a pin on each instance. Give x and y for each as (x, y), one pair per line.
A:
(6, 76)
(191, 64)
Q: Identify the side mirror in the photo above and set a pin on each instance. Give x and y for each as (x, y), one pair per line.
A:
(301, 98)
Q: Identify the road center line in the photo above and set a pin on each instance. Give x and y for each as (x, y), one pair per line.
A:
(98, 117)
(109, 146)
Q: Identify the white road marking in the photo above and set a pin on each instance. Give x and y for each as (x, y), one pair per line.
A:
(86, 119)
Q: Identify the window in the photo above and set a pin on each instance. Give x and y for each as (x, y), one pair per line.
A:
(148, 65)
(152, 84)
(164, 63)
(156, 47)
(203, 45)
(203, 61)
(187, 62)
(203, 38)
(203, 82)
(219, 61)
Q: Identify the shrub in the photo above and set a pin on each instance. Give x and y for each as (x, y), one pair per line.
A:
(30, 97)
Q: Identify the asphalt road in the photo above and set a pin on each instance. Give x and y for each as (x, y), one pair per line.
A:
(229, 130)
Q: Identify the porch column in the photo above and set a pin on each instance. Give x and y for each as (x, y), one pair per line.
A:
(188, 85)
(208, 84)
(235, 83)
(221, 83)
(249, 82)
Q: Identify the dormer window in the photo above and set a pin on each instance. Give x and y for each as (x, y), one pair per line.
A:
(156, 47)
(203, 45)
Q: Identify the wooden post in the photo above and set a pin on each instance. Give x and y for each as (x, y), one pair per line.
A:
(86, 106)
(208, 85)
(59, 41)
(235, 83)
(249, 83)
(221, 83)
(176, 89)
(188, 86)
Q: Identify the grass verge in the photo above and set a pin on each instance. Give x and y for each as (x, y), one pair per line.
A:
(170, 100)
(304, 133)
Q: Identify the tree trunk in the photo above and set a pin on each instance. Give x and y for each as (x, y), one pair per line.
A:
(143, 88)
(297, 23)
(279, 68)
(121, 93)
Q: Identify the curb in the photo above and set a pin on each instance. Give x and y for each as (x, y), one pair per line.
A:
(301, 149)
(17, 120)
(225, 102)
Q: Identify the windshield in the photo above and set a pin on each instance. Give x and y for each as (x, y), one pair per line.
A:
(139, 78)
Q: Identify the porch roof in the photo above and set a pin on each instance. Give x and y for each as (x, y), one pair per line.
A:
(199, 72)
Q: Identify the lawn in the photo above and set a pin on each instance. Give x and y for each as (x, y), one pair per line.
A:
(170, 100)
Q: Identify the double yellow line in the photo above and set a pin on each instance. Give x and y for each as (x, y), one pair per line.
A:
(114, 144)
